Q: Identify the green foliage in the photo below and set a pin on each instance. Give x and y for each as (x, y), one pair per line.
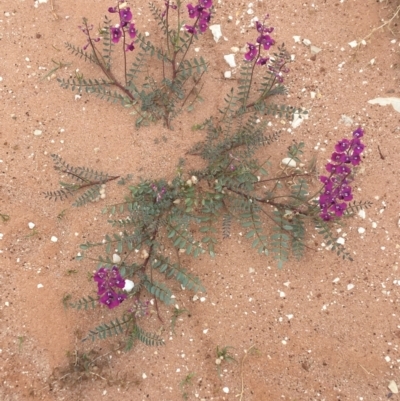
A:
(157, 95)
(84, 178)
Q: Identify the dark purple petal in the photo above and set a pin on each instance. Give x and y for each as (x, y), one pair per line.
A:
(129, 47)
(113, 9)
(262, 60)
(191, 29)
(203, 25)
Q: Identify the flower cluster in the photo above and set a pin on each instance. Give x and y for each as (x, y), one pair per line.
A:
(336, 186)
(263, 40)
(124, 27)
(201, 14)
(108, 282)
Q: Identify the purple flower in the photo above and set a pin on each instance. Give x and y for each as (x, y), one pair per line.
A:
(266, 41)
(358, 133)
(338, 208)
(125, 15)
(345, 194)
(132, 30)
(191, 29)
(113, 9)
(338, 157)
(342, 145)
(193, 11)
(116, 33)
(108, 281)
(252, 53)
(203, 24)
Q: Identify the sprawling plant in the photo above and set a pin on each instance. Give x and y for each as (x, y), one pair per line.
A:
(159, 221)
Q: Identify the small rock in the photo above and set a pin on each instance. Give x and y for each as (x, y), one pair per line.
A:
(31, 225)
(393, 387)
(205, 331)
(230, 59)
(225, 390)
(341, 240)
(387, 358)
(144, 376)
(282, 294)
(361, 230)
(216, 32)
(228, 74)
(296, 39)
(37, 132)
(116, 258)
(350, 287)
(53, 239)
(202, 299)
(336, 280)
(287, 161)
(129, 284)
(251, 270)
(307, 42)
(315, 49)
(40, 286)
(353, 44)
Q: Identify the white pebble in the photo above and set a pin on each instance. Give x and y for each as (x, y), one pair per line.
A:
(361, 213)
(353, 44)
(296, 39)
(374, 224)
(361, 230)
(216, 31)
(225, 390)
(288, 161)
(6, 303)
(282, 294)
(393, 387)
(202, 299)
(230, 59)
(251, 270)
(40, 286)
(144, 376)
(195, 298)
(307, 42)
(340, 240)
(37, 132)
(289, 316)
(1, 236)
(205, 331)
(350, 287)
(31, 225)
(53, 239)
(336, 280)
(116, 258)
(146, 34)
(387, 358)
(228, 74)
